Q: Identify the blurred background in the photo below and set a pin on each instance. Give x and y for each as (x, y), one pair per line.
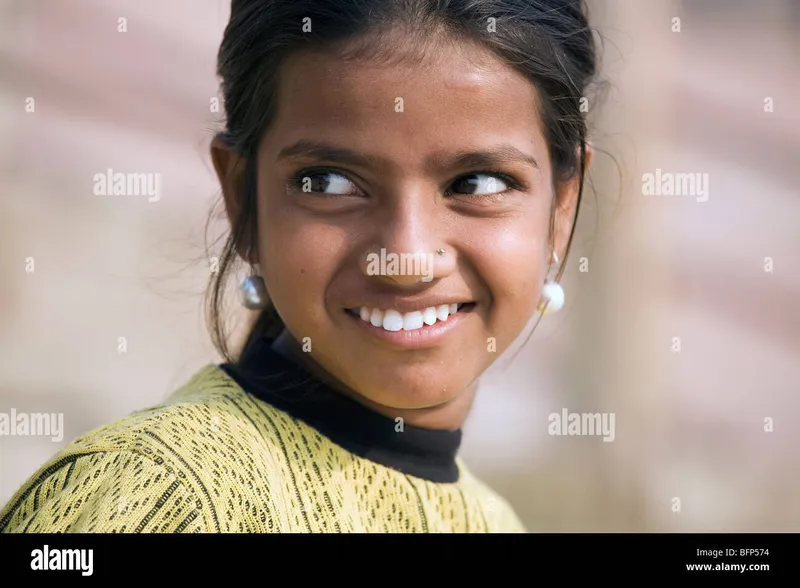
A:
(672, 322)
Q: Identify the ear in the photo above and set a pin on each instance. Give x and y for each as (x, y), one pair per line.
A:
(229, 167)
(566, 204)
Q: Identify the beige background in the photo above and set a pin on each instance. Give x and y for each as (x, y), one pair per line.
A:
(688, 425)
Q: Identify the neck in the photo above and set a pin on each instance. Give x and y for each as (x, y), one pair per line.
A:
(276, 373)
(449, 416)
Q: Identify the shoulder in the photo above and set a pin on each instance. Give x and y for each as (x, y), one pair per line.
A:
(498, 512)
(167, 468)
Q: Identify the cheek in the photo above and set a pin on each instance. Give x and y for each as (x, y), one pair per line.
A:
(299, 262)
(512, 266)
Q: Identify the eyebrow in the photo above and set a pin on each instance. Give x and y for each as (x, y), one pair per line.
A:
(496, 156)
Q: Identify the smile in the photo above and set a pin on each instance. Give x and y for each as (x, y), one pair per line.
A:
(393, 320)
(412, 329)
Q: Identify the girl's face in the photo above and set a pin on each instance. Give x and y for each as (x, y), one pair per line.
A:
(407, 159)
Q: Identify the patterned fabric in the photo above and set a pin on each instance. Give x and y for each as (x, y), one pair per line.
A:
(213, 458)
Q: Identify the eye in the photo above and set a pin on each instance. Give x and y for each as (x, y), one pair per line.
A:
(323, 182)
(483, 184)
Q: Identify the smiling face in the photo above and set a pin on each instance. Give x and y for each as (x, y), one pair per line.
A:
(367, 161)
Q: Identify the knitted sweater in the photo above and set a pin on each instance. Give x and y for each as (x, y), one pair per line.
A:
(259, 447)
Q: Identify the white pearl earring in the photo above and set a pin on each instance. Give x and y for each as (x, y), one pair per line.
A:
(552, 294)
(254, 293)
(254, 290)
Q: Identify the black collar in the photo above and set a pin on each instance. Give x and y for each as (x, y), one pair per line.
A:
(424, 453)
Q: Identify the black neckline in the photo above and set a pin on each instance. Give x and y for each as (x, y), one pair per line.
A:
(269, 376)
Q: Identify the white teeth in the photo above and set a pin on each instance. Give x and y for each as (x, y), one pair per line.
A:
(392, 320)
(429, 316)
(412, 320)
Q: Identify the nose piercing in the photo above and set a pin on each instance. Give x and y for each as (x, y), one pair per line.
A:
(440, 252)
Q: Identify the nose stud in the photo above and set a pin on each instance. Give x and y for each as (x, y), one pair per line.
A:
(440, 251)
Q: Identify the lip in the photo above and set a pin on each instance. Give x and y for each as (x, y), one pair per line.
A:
(426, 336)
(404, 305)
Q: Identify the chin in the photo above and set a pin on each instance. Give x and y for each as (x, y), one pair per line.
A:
(396, 376)
(404, 400)
(409, 386)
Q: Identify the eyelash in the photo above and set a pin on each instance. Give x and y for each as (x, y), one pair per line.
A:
(513, 185)
(296, 181)
(297, 178)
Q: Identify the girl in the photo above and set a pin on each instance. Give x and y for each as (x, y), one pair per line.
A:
(444, 138)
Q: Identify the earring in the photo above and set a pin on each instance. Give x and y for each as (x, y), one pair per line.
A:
(552, 294)
(254, 291)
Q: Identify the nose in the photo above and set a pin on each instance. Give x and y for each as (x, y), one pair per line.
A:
(411, 246)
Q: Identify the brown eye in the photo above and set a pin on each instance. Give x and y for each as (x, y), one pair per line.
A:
(482, 184)
(324, 183)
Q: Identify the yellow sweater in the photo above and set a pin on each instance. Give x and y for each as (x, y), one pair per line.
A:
(214, 458)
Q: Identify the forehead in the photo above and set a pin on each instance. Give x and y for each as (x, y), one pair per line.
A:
(459, 97)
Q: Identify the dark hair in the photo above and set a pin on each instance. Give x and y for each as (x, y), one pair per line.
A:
(549, 41)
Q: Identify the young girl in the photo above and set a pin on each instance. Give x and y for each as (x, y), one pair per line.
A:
(403, 179)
